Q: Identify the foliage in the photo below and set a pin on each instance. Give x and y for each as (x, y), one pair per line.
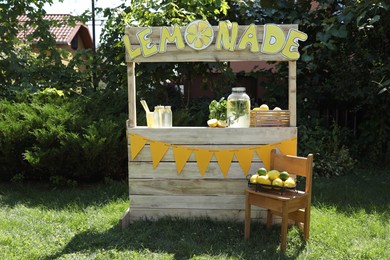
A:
(58, 138)
(54, 125)
(218, 109)
(335, 73)
(155, 80)
(332, 157)
(19, 62)
(350, 85)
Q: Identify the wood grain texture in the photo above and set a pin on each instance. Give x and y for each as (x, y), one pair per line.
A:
(167, 170)
(292, 92)
(216, 136)
(137, 214)
(145, 156)
(187, 186)
(188, 201)
(131, 94)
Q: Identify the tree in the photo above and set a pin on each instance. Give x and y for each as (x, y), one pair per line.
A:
(23, 69)
(153, 77)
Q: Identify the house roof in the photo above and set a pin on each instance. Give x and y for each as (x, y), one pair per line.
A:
(63, 33)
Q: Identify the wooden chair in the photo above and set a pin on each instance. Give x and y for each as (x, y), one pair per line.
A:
(293, 205)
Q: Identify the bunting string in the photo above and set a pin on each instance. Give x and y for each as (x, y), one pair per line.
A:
(203, 156)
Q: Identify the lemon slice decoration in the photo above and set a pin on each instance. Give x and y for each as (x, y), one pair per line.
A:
(199, 34)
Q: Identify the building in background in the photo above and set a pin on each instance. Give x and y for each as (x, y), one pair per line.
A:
(68, 37)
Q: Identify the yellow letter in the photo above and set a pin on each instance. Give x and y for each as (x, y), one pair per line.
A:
(290, 50)
(223, 38)
(166, 36)
(273, 39)
(249, 37)
(132, 53)
(147, 47)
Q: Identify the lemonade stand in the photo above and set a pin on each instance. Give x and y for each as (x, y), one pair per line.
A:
(201, 171)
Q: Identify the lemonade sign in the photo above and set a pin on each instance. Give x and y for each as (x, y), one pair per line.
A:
(199, 35)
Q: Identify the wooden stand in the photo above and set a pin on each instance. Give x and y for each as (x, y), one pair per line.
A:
(155, 193)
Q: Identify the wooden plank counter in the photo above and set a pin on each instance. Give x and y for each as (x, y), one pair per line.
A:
(155, 193)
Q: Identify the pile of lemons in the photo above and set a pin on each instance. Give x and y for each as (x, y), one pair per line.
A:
(265, 107)
(216, 123)
(273, 177)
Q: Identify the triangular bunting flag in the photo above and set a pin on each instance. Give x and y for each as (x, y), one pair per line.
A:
(244, 157)
(203, 158)
(288, 147)
(264, 153)
(224, 158)
(158, 150)
(181, 155)
(137, 142)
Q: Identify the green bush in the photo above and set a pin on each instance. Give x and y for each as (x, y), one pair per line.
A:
(61, 139)
(332, 157)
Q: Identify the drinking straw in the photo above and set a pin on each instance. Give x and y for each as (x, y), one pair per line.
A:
(145, 105)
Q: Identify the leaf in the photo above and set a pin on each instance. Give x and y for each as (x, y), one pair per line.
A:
(375, 19)
(382, 90)
(306, 58)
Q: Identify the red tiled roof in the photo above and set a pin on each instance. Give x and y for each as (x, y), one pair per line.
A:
(63, 33)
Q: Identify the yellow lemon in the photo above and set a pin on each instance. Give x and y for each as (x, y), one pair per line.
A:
(253, 178)
(212, 122)
(256, 108)
(263, 179)
(290, 183)
(273, 174)
(277, 108)
(264, 107)
(199, 34)
(277, 182)
(221, 123)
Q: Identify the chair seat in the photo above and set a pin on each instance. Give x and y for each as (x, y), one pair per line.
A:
(275, 194)
(275, 201)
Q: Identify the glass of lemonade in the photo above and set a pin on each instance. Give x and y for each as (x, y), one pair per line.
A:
(150, 119)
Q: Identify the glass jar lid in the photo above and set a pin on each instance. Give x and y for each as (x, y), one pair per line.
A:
(238, 89)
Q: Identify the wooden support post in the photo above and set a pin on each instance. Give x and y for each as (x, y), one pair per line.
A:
(132, 94)
(292, 92)
(124, 221)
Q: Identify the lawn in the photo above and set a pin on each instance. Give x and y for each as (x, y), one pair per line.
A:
(350, 220)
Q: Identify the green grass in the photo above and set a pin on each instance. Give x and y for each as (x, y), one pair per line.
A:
(350, 220)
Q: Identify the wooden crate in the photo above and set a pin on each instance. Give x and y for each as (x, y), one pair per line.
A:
(270, 118)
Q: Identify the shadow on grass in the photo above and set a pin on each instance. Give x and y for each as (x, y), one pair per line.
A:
(49, 197)
(359, 191)
(185, 238)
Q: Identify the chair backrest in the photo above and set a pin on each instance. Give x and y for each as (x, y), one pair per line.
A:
(300, 166)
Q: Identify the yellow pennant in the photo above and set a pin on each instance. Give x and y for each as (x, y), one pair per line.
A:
(203, 158)
(244, 157)
(288, 147)
(264, 153)
(137, 142)
(224, 158)
(157, 150)
(181, 155)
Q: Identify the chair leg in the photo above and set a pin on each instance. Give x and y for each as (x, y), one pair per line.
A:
(269, 219)
(306, 227)
(247, 218)
(283, 241)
